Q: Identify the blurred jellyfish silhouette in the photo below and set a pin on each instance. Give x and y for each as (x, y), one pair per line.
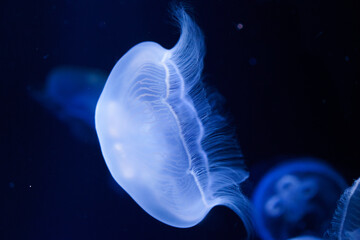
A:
(296, 199)
(162, 136)
(305, 238)
(71, 94)
(346, 220)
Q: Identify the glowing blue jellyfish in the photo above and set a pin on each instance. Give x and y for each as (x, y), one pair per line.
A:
(71, 93)
(161, 136)
(305, 238)
(346, 220)
(296, 199)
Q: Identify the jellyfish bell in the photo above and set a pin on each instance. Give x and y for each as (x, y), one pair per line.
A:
(71, 93)
(346, 220)
(353, 234)
(292, 194)
(296, 198)
(305, 238)
(161, 137)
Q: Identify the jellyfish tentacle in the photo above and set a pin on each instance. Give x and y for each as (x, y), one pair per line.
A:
(162, 135)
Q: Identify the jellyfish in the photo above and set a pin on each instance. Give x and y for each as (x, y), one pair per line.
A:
(346, 220)
(163, 137)
(71, 94)
(296, 198)
(305, 238)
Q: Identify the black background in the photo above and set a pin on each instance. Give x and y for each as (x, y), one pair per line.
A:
(290, 78)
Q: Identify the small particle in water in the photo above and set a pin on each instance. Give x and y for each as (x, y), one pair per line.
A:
(11, 185)
(30, 186)
(252, 61)
(46, 56)
(347, 58)
(239, 26)
(324, 101)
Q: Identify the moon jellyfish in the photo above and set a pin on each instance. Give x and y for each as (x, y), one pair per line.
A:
(162, 136)
(296, 199)
(305, 238)
(71, 94)
(346, 220)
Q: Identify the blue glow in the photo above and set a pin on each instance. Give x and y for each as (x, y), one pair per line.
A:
(346, 220)
(71, 94)
(162, 137)
(296, 198)
(305, 238)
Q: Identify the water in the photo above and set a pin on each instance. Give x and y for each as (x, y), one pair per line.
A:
(301, 97)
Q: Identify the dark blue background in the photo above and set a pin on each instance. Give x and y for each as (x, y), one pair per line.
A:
(290, 77)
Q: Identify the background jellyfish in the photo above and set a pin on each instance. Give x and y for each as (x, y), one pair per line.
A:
(161, 136)
(346, 220)
(316, 112)
(305, 238)
(71, 93)
(295, 199)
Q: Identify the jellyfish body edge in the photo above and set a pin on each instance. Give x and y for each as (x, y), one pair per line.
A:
(162, 136)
